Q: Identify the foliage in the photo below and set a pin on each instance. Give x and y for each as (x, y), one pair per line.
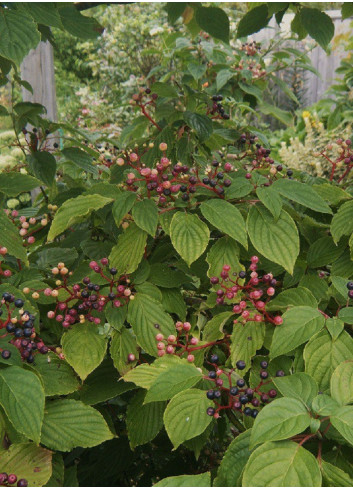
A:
(176, 303)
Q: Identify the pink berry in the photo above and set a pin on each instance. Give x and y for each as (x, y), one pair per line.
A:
(160, 346)
(51, 314)
(169, 349)
(228, 167)
(194, 341)
(186, 326)
(260, 305)
(7, 273)
(270, 291)
(278, 320)
(159, 337)
(171, 338)
(242, 304)
(131, 357)
(93, 264)
(161, 353)
(96, 320)
(254, 259)
(190, 358)
(258, 318)
(104, 261)
(47, 291)
(226, 268)
(237, 309)
(245, 314)
(133, 157)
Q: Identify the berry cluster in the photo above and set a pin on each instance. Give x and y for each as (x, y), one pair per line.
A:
(350, 290)
(217, 107)
(172, 181)
(180, 344)
(251, 64)
(239, 397)
(340, 157)
(19, 326)
(27, 226)
(76, 303)
(39, 139)
(248, 289)
(11, 479)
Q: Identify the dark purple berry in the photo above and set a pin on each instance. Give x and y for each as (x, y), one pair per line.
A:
(279, 373)
(264, 364)
(240, 383)
(210, 411)
(240, 365)
(210, 394)
(233, 391)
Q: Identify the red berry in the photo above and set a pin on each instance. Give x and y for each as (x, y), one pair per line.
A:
(278, 320)
(270, 291)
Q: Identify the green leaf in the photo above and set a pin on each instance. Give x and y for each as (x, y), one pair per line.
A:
(143, 421)
(279, 420)
(173, 302)
(214, 21)
(172, 381)
(323, 252)
(298, 296)
(334, 476)
(335, 327)
(79, 426)
(11, 239)
(282, 115)
(233, 461)
(189, 236)
(103, 384)
(225, 251)
(246, 340)
(128, 252)
(198, 480)
(186, 417)
(291, 465)
(277, 240)
(347, 10)
(223, 76)
(342, 383)
(84, 348)
(164, 90)
(240, 188)
(22, 397)
(324, 405)
(75, 210)
(270, 199)
(175, 10)
(58, 377)
(145, 215)
(77, 24)
(28, 461)
(297, 27)
(299, 325)
(13, 183)
(332, 195)
(213, 329)
(43, 166)
(197, 70)
(148, 318)
(323, 354)
(303, 194)
(44, 13)
(123, 343)
(144, 375)
(80, 158)
(18, 33)
(342, 222)
(253, 21)
(342, 420)
(201, 124)
(318, 24)
(225, 217)
(123, 205)
(346, 315)
(298, 386)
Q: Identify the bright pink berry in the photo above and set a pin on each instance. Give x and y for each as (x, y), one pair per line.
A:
(242, 304)
(253, 267)
(190, 358)
(245, 314)
(194, 341)
(96, 320)
(131, 357)
(258, 318)
(7, 273)
(51, 314)
(186, 326)
(260, 305)
(255, 259)
(93, 264)
(256, 294)
(31, 240)
(160, 346)
(228, 167)
(171, 338)
(237, 309)
(270, 291)
(169, 349)
(278, 320)
(159, 337)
